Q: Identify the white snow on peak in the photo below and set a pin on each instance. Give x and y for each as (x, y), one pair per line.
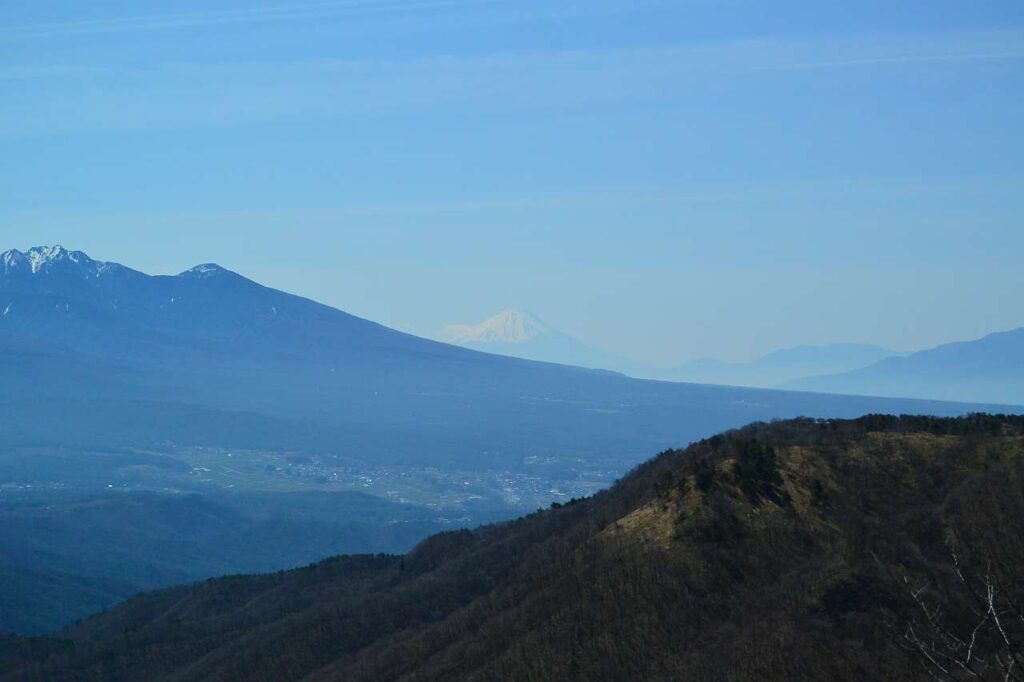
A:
(204, 270)
(42, 258)
(508, 326)
(13, 260)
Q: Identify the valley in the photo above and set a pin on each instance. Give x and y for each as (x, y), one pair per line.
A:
(244, 429)
(533, 482)
(511, 341)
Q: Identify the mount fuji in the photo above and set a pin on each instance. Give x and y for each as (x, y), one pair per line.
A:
(130, 389)
(99, 353)
(520, 334)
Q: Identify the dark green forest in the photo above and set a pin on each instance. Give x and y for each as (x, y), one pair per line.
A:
(65, 557)
(875, 548)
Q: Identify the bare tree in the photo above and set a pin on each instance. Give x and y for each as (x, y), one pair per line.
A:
(973, 631)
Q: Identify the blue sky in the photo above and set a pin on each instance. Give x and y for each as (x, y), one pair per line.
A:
(666, 180)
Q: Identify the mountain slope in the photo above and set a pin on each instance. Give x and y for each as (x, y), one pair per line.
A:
(230, 353)
(67, 297)
(65, 558)
(107, 375)
(987, 369)
(782, 551)
(782, 366)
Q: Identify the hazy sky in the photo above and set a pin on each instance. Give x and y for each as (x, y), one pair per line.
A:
(663, 179)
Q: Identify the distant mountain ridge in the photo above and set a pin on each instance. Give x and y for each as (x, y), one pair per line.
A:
(207, 315)
(100, 363)
(518, 333)
(990, 368)
(46, 258)
(251, 359)
(779, 367)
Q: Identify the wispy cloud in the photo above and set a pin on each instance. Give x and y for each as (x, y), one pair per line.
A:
(233, 16)
(52, 99)
(898, 59)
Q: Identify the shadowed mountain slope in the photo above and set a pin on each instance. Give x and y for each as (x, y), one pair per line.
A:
(65, 558)
(793, 550)
(107, 375)
(209, 357)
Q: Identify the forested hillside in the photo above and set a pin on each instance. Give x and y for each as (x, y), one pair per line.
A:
(63, 558)
(115, 382)
(877, 548)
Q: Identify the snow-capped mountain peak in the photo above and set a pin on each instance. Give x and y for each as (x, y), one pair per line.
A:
(203, 271)
(523, 335)
(508, 326)
(41, 256)
(42, 259)
(13, 260)
(43, 266)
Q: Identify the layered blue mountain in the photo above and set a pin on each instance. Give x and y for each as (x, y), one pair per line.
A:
(99, 352)
(159, 429)
(782, 366)
(989, 369)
